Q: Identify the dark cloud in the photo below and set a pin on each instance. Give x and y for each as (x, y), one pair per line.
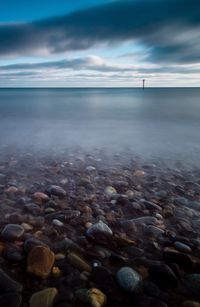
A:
(169, 28)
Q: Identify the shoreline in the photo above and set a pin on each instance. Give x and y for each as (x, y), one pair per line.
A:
(146, 217)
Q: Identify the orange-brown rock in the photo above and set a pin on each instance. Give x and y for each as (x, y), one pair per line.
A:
(40, 261)
(40, 197)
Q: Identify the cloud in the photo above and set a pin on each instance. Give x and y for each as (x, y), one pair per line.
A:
(169, 29)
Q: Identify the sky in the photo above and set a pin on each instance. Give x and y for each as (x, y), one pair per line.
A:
(99, 43)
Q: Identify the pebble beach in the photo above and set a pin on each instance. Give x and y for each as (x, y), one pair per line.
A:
(97, 229)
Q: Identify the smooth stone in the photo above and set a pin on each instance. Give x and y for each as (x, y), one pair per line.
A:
(155, 231)
(96, 298)
(110, 191)
(49, 210)
(163, 274)
(128, 279)
(33, 209)
(57, 223)
(44, 298)
(56, 190)
(7, 284)
(190, 304)
(181, 201)
(139, 173)
(99, 227)
(151, 206)
(90, 168)
(78, 262)
(41, 197)
(192, 282)
(40, 261)
(173, 256)
(133, 251)
(145, 220)
(13, 254)
(27, 227)
(10, 300)
(12, 232)
(32, 242)
(182, 247)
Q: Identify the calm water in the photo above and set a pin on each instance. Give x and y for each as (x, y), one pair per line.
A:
(153, 122)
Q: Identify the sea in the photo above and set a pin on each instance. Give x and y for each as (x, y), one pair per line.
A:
(154, 122)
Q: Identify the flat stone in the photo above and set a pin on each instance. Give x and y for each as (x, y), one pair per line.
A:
(110, 191)
(40, 261)
(57, 223)
(128, 279)
(32, 242)
(78, 262)
(7, 284)
(152, 206)
(10, 300)
(182, 247)
(97, 228)
(44, 298)
(56, 190)
(192, 282)
(12, 232)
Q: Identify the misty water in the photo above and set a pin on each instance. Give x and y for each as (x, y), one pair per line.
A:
(155, 122)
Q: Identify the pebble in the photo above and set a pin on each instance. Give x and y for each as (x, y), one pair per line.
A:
(7, 284)
(40, 197)
(128, 279)
(97, 228)
(151, 206)
(57, 223)
(40, 261)
(78, 262)
(27, 227)
(56, 190)
(32, 242)
(110, 191)
(163, 275)
(190, 304)
(44, 298)
(12, 232)
(182, 247)
(96, 298)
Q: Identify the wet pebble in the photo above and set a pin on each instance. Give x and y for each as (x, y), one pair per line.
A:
(44, 298)
(96, 298)
(7, 284)
(12, 232)
(40, 261)
(56, 190)
(128, 279)
(57, 223)
(182, 247)
(97, 228)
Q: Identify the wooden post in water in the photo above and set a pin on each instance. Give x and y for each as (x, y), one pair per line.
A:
(143, 82)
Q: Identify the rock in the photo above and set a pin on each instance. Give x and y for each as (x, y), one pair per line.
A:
(32, 242)
(151, 206)
(97, 228)
(12, 232)
(96, 298)
(90, 168)
(110, 191)
(182, 247)
(56, 190)
(192, 282)
(57, 223)
(56, 272)
(173, 256)
(78, 262)
(40, 261)
(163, 275)
(139, 173)
(128, 279)
(33, 209)
(44, 298)
(181, 201)
(27, 227)
(10, 300)
(13, 254)
(133, 251)
(7, 284)
(155, 231)
(190, 304)
(40, 197)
